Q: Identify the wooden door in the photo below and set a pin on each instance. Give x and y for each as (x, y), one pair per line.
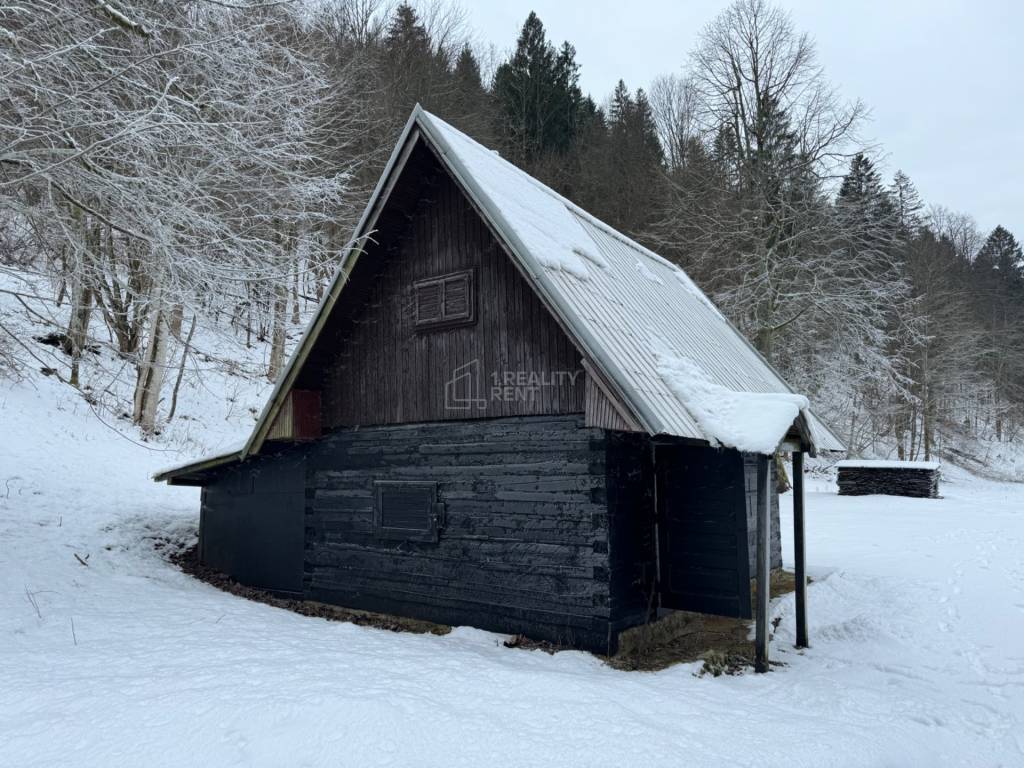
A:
(702, 530)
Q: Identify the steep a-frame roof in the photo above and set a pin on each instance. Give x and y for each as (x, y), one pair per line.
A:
(657, 342)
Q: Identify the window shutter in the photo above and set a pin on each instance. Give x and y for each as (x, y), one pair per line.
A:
(407, 510)
(456, 297)
(445, 301)
(429, 302)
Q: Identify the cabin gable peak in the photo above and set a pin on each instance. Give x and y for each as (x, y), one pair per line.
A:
(440, 320)
(630, 315)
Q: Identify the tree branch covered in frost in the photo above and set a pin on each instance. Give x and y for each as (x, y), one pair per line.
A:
(760, 134)
(169, 160)
(121, 20)
(207, 158)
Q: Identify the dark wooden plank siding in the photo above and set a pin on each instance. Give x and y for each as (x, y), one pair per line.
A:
(376, 367)
(702, 530)
(298, 418)
(602, 412)
(631, 521)
(283, 427)
(524, 544)
(251, 521)
(750, 481)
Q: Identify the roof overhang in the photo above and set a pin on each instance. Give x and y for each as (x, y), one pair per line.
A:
(197, 472)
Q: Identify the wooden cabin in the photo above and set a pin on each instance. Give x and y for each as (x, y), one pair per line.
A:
(486, 424)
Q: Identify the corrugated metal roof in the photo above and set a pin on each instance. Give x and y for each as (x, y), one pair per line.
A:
(621, 299)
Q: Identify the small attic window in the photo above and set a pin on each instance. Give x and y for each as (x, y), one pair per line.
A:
(445, 300)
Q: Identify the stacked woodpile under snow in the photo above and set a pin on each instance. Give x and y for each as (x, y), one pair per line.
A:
(893, 478)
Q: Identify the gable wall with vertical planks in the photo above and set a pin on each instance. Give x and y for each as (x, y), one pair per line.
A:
(375, 366)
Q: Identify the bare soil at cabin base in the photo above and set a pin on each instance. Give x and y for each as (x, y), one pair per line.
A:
(188, 561)
(677, 638)
(721, 642)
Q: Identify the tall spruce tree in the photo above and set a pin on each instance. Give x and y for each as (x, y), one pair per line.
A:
(470, 107)
(869, 214)
(635, 159)
(406, 36)
(467, 72)
(585, 168)
(1001, 257)
(998, 277)
(413, 69)
(907, 204)
(861, 180)
(537, 95)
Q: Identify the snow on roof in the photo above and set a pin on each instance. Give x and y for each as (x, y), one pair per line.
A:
(613, 302)
(886, 464)
(644, 270)
(608, 290)
(748, 421)
(541, 221)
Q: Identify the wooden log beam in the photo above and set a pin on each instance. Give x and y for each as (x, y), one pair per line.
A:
(800, 553)
(906, 478)
(763, 566)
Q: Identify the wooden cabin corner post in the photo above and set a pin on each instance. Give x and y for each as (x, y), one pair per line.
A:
(799, 550)
(764, 561)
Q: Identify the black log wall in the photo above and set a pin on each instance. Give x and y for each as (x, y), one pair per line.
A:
(524, 546)
(548, 526)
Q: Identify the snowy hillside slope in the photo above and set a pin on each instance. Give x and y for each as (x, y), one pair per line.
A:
(223, 383)
(916, 615)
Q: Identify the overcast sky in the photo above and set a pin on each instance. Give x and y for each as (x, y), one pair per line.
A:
(943, 79)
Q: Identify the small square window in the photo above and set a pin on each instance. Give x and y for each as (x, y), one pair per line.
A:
(446, 300)
(407, 510)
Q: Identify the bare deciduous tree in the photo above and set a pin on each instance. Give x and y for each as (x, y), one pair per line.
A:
(674, 104)
(163, 152)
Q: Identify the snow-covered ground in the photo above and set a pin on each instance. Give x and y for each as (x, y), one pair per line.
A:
(916, 619)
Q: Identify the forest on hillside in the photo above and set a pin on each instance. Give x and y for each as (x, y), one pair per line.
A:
(168, 165)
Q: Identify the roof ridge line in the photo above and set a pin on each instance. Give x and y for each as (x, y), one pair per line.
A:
(573, 208)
